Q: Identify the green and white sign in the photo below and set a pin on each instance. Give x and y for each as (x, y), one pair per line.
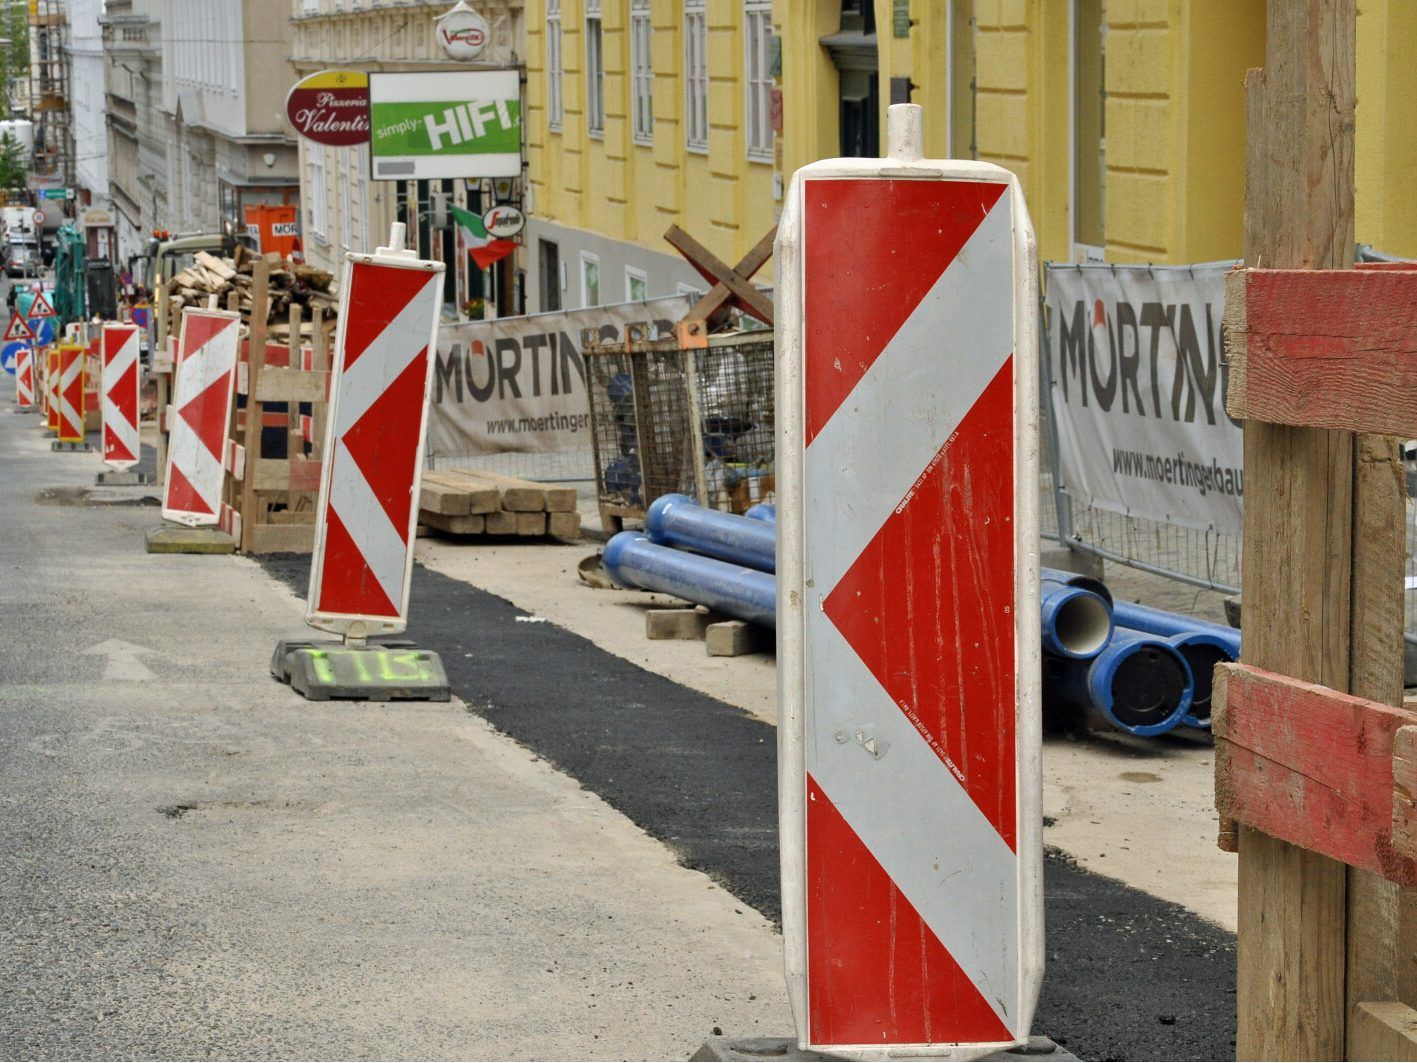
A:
(464, 123)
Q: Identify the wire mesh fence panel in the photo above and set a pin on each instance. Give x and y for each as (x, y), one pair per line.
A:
(555, 466)
(666, 420)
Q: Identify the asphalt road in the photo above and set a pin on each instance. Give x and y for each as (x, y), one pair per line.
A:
(1129, 976)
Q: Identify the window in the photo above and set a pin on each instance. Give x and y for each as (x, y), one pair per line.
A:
(641, 73)
(550, 275)
(636, 285)
(695, 76)
(316, 222)
(594, 71)
(554, 111)
(757, 62)
(590, 279)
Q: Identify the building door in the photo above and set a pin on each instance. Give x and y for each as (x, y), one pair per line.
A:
(549, 268)
(853, 51)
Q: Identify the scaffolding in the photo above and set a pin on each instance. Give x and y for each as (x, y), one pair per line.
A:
(49, 94)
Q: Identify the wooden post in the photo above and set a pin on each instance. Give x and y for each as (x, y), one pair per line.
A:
(260, 308)
(1322, 560)
(164, 385)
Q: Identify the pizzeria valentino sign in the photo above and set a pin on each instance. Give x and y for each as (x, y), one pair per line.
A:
(331, 107)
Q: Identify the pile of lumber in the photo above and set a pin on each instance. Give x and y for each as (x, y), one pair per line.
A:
(473, 502)
(291, 283)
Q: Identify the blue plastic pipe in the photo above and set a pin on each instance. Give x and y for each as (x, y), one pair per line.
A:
(1161, 622)
(634, 562)
(1139, 683)
(1203, 650)
(679, 521)
(1077, 623)
(1072, 579)
(763, 511)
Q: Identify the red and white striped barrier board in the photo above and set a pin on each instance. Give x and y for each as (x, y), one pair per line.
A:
(121, 446)
(378, 422)
(70, 394)
(51, 389)
(24, 378)
(909, 667)
(201, 405)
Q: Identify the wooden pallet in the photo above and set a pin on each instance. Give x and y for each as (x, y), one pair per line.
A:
(474, 502)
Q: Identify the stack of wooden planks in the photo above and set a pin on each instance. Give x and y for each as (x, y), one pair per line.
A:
(473, 502)
(290, 282)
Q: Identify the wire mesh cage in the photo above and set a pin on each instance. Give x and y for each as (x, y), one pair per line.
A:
(671, 419)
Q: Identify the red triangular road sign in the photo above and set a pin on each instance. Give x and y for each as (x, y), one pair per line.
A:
(40, 307)
(19, 330)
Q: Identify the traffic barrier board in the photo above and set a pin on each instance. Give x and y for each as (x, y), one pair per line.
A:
(909, 665)
(19, 329)
(70, 394)
(24, 378)
(121, 445)
(202, 398)
(377, 426)
(51, 389)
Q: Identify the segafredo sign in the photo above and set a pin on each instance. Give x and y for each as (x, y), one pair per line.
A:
(504, 221)
(462, 33)
(331, 107)
(432, 125)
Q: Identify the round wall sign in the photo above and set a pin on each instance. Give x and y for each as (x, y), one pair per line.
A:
(463, 33)
(504, 221)
(331, 107)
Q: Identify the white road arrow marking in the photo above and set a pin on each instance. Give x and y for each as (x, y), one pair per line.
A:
(123, 664)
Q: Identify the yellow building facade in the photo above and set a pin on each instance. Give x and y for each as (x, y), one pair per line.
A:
(1125, 119)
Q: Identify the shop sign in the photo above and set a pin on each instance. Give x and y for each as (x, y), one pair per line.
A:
(462, 33)
(331, 107)
(503, 221)
(434, 125)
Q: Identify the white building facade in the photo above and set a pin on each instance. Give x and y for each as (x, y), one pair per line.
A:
(225, 76)
(137, 133)
(89, 101)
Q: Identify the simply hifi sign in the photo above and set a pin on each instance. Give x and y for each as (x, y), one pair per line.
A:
(445, 124)
(1138, 391)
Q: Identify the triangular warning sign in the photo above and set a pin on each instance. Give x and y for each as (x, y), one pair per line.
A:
(40, 307)
(19, 330)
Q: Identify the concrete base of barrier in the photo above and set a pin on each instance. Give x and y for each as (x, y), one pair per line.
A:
(177, 539)
(127, 478)
(74, 448)
(740, 1049)
(383, 670)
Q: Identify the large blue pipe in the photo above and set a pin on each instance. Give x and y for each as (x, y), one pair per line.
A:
(634, 562)
(679, 521)
(766, 511)
(1072, 579)
(1203, 650)
(1139, 683)
(1161, 622)
(1076, 623)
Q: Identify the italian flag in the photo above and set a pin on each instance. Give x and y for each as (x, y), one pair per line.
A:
(484, 249)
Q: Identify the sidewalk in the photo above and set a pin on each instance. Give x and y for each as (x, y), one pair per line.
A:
(194, 862)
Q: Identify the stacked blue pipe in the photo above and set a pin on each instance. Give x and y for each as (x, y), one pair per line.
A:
(705, 556)
(634, 562)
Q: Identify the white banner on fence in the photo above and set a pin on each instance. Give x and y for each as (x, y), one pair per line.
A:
(517, 384)
(1138, 392)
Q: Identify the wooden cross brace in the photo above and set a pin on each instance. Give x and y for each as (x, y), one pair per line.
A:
(732, 287)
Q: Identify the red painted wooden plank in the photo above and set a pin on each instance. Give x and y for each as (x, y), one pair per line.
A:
(1312, 766)
(1324, 348)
